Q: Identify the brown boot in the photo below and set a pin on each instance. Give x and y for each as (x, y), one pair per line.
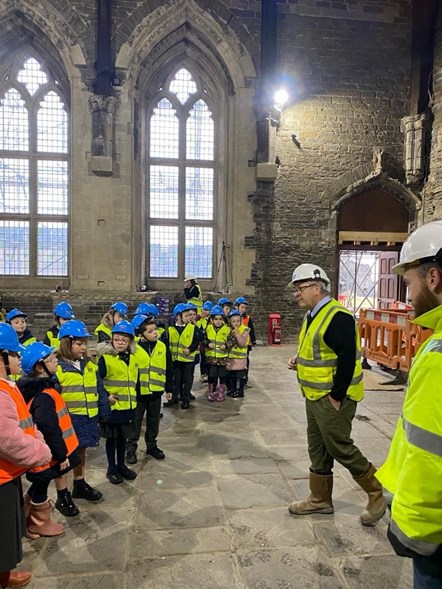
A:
(320, 498)
(376, 505)
(40, 523)
(14, 579)
(27, 507)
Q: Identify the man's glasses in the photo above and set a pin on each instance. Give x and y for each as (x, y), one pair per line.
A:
(300, 289)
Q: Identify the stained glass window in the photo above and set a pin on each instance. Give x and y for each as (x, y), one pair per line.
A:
(34, 173)
(181, 193)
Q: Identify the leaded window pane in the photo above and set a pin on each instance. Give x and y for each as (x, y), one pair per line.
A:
(199, 251)
(52, 187)
(164, 131)
(164, 192)
(199, 193)
(163, 251)
(52, 248)
(32, 76)
(183, 85)
(200, 133)
(14, 124)
(14, 185)
(14, 247)
(52, 125)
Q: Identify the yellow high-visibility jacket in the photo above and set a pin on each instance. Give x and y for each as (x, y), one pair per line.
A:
(412, 472)
(152, 369)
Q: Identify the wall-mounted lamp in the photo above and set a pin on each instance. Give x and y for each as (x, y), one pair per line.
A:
(279, 99)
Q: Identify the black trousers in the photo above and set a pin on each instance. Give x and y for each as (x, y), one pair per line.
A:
(183, 378)
(12, 526)
(152, 409)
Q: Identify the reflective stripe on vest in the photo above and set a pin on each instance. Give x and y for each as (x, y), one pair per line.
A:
(237, 352)
(121, 380)
(64, 421)
(105, 329)
(197, 301)
(217, 337)
(8, 470)
(179, 341)
(79, 391)
(317, 362)
(152, 369)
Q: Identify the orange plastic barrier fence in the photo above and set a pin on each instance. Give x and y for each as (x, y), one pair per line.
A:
(390, 338)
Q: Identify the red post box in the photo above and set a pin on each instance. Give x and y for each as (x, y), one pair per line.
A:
(274, 329)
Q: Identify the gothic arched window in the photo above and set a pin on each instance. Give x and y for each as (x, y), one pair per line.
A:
(34, 172)
(180, 180)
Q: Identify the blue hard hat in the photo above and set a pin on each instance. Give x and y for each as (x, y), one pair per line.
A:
(9, 339)
(191, 307)
(73, 329)
(143, 309)
(179, 309)
(241, 301)
(64, 310)
(208, 305)
(153, 310)
(34, 353)
(120, 307)
(124, 327)
(216, 310)
(234, 313)
(224, 301)
(13, 314)
(139, 319)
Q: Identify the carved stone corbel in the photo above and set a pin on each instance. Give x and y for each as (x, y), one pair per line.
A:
(414, 128)
(103, 110)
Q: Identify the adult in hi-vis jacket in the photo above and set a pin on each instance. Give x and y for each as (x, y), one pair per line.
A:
(412, 473)
(329, 371)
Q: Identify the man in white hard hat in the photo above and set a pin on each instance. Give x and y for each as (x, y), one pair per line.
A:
(412, 473)
(329, 373)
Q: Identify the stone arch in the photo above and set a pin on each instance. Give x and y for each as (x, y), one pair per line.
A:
(187, 19)
(43, 28)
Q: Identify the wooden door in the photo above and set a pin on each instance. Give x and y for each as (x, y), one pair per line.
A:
(388, 285)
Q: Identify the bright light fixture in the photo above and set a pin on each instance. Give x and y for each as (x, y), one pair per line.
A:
(281, 97)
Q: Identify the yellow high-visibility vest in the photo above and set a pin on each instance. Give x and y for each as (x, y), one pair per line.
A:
(105, 329)
(79, 391)
(413, 469)
(53, 339)
(152, 369)
(178, 342)
(239, 352)
(316, 362)
(121, 380)
(217, 338)
(197, 301)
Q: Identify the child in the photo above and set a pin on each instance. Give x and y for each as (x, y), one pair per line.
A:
(118, 367)
(52, 418)
(18, 321)
(183, 342)
(226, 306)
(62, 312)
(242, 305)
(216, 344)
(22, 447)
(192, 291)
(83, 392)
(237, 362)
(202, 324)
(156, 376)
(117, 313)
(193, 319)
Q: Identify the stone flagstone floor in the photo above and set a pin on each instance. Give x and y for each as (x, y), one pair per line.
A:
(213, 514)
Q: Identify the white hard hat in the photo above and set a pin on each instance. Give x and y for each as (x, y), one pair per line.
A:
(423, 245)
(189, 277)
(309, 272)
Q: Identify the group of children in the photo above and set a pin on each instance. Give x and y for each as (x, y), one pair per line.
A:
(74, 400)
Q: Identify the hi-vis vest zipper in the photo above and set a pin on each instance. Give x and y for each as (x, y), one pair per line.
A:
(152, 369)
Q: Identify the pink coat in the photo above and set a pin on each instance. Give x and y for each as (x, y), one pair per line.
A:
(15, 446)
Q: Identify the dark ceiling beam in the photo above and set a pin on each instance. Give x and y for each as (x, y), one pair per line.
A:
(104, 65)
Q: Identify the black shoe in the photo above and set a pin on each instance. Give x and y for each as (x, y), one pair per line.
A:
(192, 397)
(230, 393)
(66, 506)
(170, 403)
(241, 394)
(131, 458)
(235, 395)
(113, 476)
(127, 473)
(185, 405)
(156, 453)
(82, 490)
(161, 416)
